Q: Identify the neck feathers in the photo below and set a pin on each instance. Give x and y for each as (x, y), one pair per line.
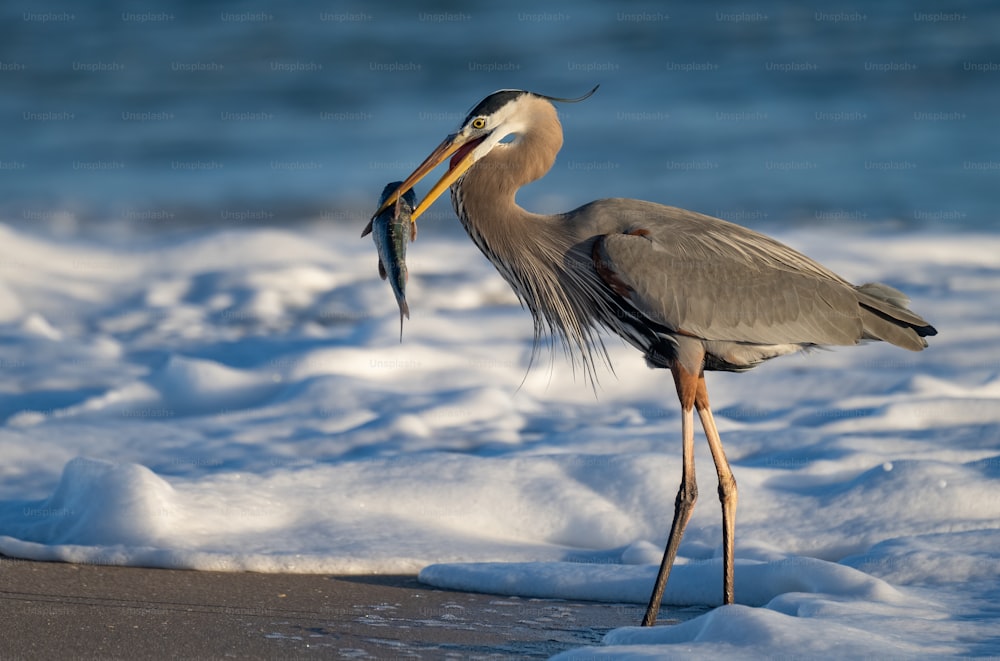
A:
(531, 251)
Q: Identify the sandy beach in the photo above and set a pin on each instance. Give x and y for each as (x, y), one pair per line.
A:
(71, 611)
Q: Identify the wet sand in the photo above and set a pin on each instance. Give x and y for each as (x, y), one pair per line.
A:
(64, 611)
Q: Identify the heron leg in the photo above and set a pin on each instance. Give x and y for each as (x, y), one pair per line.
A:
(727, 488)
(686, 495)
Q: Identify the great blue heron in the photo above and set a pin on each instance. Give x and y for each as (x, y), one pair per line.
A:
(691, 292)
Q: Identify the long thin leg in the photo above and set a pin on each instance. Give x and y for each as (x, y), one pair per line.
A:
(727, 489)
(686, 495)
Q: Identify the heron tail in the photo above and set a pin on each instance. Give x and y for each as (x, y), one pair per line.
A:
(886, 317)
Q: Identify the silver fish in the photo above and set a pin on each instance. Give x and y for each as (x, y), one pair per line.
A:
(392, 230)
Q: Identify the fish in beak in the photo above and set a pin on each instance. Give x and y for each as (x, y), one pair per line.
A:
(456, 146)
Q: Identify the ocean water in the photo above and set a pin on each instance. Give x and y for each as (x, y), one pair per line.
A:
(770, 114)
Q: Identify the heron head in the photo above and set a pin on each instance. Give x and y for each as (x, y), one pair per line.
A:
(500, 117)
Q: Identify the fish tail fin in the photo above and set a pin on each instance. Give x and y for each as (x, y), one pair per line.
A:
(404, 310)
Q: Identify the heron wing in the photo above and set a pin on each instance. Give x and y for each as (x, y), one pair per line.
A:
(707, 278)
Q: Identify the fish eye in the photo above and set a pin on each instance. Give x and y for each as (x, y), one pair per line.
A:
(479, 123)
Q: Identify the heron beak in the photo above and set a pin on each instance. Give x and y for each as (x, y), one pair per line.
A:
(461, 162)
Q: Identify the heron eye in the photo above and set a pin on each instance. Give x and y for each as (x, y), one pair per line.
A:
(479, 123)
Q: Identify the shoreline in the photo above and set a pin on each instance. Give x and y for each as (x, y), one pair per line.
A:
(61, 610)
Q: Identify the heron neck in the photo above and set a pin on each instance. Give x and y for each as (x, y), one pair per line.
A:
(484, 201)
(484, 198)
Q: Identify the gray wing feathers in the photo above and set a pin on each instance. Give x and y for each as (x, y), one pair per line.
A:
(712, 279)
(735, 298)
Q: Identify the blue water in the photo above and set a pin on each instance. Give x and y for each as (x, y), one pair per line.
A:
(771, 114)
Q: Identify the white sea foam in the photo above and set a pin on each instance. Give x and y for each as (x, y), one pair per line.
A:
(240, 401)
